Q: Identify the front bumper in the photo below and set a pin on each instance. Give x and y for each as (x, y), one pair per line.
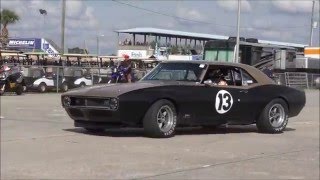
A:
(94, 118)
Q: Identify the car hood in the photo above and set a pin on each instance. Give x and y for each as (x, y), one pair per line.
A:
(114, 90)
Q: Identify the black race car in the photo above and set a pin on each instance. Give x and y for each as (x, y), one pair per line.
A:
(187, 93)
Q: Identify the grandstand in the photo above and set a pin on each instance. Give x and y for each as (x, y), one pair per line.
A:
(170, 44)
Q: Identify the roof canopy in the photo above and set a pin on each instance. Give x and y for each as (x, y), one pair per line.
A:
(198, 36)
(171, 33)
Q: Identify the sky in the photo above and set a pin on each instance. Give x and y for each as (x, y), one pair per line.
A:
(276, 20)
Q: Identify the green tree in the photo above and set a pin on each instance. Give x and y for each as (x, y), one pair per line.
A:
(7, 17)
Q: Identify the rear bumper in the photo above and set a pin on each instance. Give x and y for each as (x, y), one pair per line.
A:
(296, 103)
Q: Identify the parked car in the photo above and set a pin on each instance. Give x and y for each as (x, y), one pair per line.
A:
(187, 93)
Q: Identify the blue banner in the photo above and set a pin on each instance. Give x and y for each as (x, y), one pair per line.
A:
(29, 43)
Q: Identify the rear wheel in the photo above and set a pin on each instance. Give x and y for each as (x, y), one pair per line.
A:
(65, 87)
(82, 85)
(274, 117)
(42, 87)
(19, 89)
(160, 120)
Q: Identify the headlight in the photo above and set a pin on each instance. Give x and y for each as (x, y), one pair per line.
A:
(113, 103)
(66, 101)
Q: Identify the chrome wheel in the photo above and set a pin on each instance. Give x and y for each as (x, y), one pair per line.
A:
(165, 118)
(276, 115)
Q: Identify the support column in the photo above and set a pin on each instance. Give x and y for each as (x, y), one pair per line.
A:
(144, 39)
(134, 40)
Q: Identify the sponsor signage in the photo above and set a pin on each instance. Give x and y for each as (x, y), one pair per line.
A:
(48, 48)
(24, 43)
(133, 53)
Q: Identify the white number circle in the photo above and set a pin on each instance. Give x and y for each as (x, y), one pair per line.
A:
(224, 101)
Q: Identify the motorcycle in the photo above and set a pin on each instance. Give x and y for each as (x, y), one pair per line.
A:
(11, 82)
(118, 74)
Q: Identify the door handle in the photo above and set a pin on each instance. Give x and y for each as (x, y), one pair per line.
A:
(244, 91)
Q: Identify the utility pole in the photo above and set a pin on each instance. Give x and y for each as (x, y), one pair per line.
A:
(311, 28)
(63, 17)
(98, 50)
(238, 33)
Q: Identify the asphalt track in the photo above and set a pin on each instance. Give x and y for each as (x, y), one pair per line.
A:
(38, 141)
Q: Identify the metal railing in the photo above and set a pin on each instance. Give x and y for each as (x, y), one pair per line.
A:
(298, 79)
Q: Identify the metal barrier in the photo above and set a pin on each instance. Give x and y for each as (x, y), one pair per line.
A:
(298, 79)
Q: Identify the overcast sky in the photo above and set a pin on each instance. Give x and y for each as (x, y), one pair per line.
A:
(278, 20)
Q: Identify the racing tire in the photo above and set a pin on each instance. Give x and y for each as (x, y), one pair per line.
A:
(19, 89)
(94, 130)
(274, 117)
(42, 87)
(64, 87)
(160, 120)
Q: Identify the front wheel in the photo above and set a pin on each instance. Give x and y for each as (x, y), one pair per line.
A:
(2, 89)
(274, 117)
(160, 120)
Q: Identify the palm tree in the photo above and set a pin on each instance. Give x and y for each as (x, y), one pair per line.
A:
(7, 17)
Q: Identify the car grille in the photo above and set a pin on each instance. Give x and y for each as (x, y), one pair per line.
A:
(90, 102)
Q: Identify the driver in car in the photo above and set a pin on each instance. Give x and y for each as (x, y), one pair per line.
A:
(217, 78)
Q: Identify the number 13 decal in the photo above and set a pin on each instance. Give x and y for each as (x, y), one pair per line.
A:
(224, 101)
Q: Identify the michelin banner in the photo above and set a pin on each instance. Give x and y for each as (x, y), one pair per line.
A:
(27, 43)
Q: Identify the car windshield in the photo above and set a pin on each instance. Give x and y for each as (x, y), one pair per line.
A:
(176, 72)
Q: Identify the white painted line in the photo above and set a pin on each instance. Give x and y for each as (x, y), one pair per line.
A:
(56, 114)
(205, 166)
(1, 117)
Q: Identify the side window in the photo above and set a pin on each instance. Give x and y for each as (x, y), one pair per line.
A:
(247, 79)
(242, 78)
(191, 76)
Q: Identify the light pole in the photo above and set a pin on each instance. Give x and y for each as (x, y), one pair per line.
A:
(238, 32)
(63, 17)
(312, 24)
(98, 48)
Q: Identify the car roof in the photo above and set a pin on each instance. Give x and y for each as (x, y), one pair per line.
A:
(254, 72)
